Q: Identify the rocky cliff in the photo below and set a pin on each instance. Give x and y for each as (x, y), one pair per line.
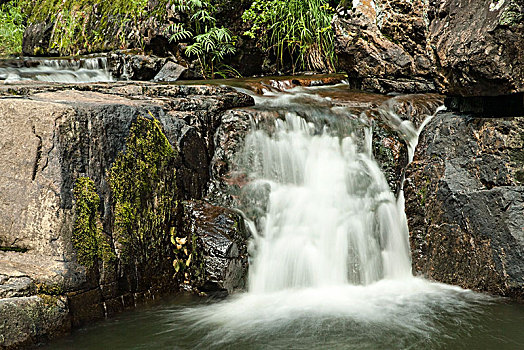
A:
(465, 203)
(92, 212)
(464, 47)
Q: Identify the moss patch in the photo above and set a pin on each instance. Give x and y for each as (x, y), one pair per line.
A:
(88, 239)
(143, 185)
(13, 249)
(92, 25)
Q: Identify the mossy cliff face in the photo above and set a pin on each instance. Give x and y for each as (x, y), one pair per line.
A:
(80, 26)
(103, 169)
(143, 185)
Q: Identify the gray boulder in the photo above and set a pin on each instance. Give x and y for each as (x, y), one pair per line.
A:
(465, 203)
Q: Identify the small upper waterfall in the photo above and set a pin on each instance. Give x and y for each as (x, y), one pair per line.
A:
(63, 70)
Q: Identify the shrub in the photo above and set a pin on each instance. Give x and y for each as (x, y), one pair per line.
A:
(209, 44)
(11, 28)
(296, 31)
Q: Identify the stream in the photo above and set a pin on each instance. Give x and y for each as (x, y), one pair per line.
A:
(329, 254)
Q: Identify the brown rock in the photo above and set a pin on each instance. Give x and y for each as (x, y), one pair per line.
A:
(479, 45)
(382, 46)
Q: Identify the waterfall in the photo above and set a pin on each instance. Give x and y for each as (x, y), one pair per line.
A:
(332, 219)
(82, 70)
(329, 257)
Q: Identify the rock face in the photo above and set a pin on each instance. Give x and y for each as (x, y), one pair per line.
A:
(382, 45)
(479, 45)
(29, 320)
(52, 135)
(465, 203)
(221, 238)
(467, 48)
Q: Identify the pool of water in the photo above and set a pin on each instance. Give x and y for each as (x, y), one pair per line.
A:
(386, 315)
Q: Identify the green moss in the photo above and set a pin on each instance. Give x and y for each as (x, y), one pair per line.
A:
(49, 290)
(143, 185)
(88, 239)
(423, 192)
(91, 25)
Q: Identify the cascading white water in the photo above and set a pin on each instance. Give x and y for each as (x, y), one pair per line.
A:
(330, 263)
(84, 70)
(332, 218)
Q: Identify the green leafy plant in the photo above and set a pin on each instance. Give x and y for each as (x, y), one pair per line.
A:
(210, 44)
(296, 31)
(11, 28)
(90, 243)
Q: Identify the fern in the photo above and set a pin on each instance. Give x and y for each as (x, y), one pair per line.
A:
(210, 45)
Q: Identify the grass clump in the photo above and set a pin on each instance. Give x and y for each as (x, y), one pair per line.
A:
(88, 239)
(12, 26)
(298, 32)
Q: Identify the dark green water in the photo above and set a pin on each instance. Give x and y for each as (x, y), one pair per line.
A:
(457, 321)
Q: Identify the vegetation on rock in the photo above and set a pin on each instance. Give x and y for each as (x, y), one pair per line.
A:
(88, 239)
(144, 190)
(210, 44)
(296, 31)
(188, 263)
(11, 28)
(91, 25)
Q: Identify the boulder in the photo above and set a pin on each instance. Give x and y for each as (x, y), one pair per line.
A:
(220, 235)
(129, 66)
(465, 203)
(479, 46)
(382, 46)
(29, 320)
(172, 71)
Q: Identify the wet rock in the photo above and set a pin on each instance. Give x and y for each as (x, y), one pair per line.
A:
(229, 140)
(479, 46)
(382, 46)
(36, 39)
(221, 237)
(465, 203)
(391, 153)
(134, 67)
